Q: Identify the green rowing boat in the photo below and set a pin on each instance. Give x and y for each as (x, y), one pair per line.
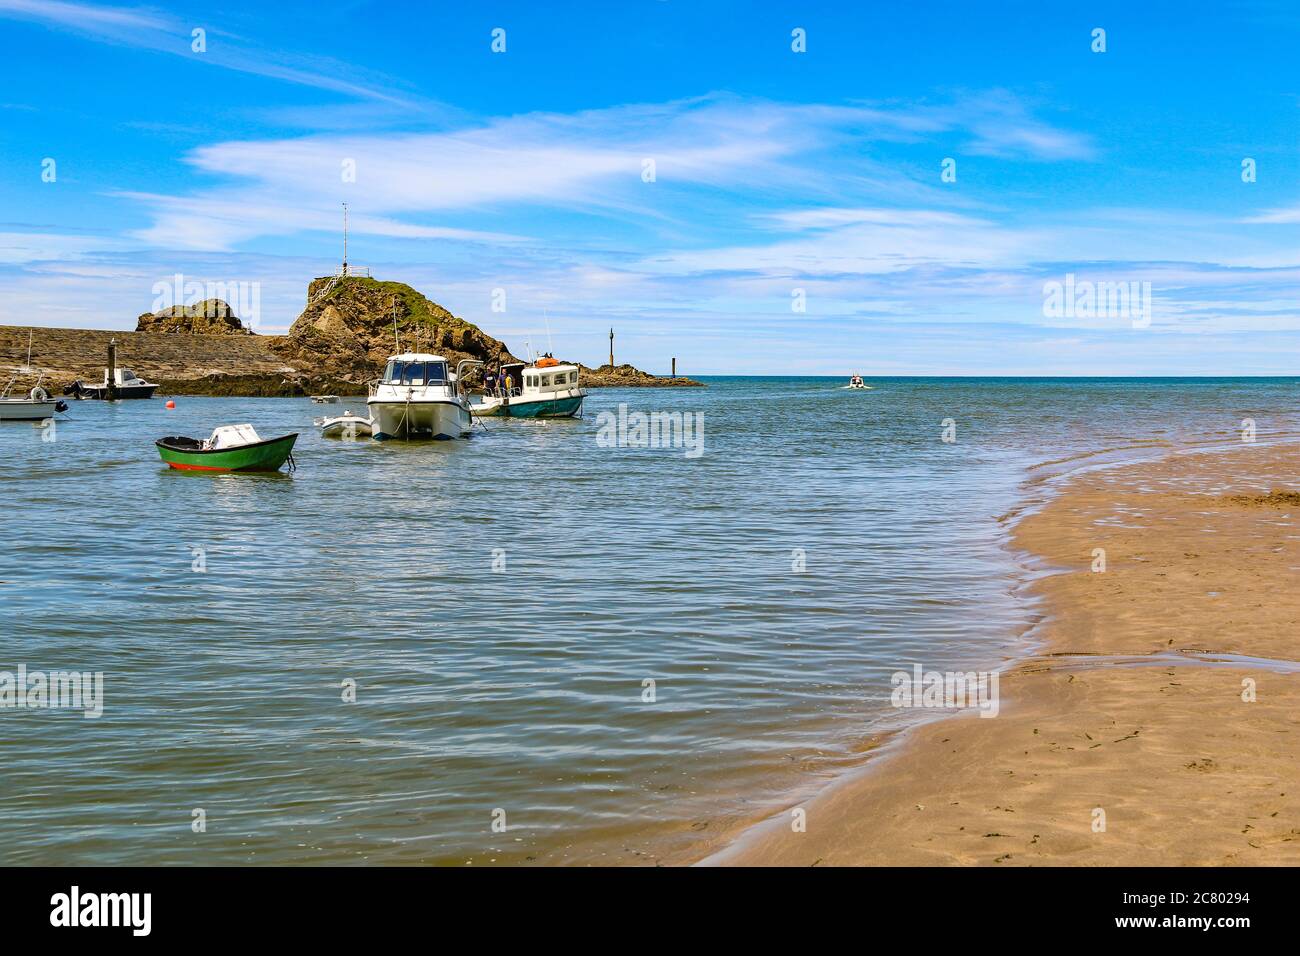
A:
(231, 448)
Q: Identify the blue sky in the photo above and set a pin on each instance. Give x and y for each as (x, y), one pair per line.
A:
(778, 176)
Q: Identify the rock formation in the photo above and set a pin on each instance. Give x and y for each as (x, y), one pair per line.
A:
(209, 317)
(352, 325)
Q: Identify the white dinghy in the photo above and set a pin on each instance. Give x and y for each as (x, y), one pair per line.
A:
(347, 426)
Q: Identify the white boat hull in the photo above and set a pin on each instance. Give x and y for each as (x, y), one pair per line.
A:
(345, 426)
(420, 419)
(25, 410)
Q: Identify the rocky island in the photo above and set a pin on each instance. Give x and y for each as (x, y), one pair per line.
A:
(340, 341)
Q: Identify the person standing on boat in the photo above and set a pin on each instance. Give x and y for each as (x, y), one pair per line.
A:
(489, 381)
(510, 384)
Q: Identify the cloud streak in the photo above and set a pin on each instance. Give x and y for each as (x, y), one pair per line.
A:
(156, 31)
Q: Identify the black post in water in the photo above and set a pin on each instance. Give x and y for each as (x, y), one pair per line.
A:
(111, 392)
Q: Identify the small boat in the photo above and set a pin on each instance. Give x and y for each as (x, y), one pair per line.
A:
(126, 384)
(231, 448)
(325, 399)
(545, 390)
(36, 406)
(346, 425)
(856, 382)
(417, 397)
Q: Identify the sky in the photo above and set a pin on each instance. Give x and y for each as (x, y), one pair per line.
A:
(752, 188)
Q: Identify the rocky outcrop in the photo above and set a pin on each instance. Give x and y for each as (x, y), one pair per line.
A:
(339, 342)
(626, 376)
(353, 324)
(209, 317)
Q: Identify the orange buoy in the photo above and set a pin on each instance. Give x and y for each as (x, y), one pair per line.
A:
(170, 403)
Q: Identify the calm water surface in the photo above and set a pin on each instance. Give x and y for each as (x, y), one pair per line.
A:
(520, 689)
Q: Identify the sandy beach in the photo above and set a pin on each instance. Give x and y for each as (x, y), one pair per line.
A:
(1157, 721)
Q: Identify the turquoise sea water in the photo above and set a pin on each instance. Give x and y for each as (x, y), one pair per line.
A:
(500, 603)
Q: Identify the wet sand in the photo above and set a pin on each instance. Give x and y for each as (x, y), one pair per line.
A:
(1132, 706)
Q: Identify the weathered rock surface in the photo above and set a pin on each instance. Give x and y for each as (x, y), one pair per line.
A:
(209, 317)
(351, 325)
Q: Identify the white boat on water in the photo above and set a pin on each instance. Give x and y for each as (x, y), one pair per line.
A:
(856, 382)
(418, 397)
(346, 425)
(37, 405)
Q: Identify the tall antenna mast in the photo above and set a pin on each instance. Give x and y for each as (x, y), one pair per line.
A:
(550, 346)
(345, 239)
(396, 341)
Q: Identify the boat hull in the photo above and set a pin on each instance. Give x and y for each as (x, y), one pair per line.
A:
(27, 411)
(268, 455)
(122, 391)
(567, 407)
(420, 419)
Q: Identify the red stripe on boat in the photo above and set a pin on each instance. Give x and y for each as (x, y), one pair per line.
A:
(197, 467)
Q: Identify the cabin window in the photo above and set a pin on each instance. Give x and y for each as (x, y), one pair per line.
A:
(546, 380)
(437, 373)
(413, 374)
(394, 372)
(561, 378)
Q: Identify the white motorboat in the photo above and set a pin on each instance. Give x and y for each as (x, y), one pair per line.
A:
(418, 397)
(36, 406)
(545, 390)
(856, 382)
(126, 384)
(346, 425)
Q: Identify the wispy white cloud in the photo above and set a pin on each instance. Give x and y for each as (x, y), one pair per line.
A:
(595, 161)
(150, 29)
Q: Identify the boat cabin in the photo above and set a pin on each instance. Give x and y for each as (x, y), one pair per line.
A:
(552, 378)
(416, 370)
(125, 378)
(537, 379)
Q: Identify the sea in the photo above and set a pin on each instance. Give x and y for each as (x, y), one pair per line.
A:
(622, 638)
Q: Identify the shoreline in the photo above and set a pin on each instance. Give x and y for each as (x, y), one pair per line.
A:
(1025, 788)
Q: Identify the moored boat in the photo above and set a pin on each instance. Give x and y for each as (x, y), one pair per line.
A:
(346, 425)
(544, 390)
(37, 405)
(231, 448)
(126, 384)
(417, 397)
